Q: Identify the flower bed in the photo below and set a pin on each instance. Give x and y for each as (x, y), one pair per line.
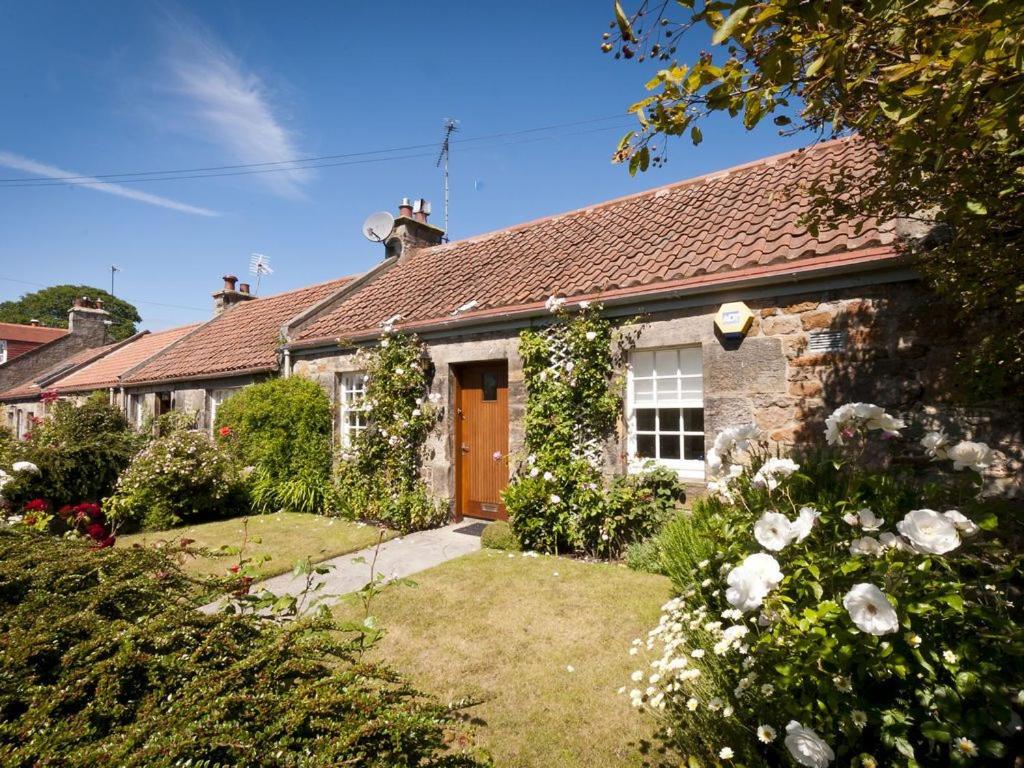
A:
(836, 609)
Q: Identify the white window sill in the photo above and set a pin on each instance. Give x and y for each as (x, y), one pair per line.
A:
(685, 470)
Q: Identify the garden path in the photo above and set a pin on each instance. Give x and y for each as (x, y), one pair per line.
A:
(397, 558)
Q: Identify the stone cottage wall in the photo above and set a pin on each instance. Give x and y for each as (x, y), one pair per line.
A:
(898, 352)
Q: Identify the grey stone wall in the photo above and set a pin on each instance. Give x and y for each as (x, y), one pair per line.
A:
(88, 330)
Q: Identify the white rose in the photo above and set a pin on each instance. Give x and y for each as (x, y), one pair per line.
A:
(867, 545)
(935, 444)
(965, 454)
(963, 524)
(871, 610)
(554, 303)
(750, 582)
(891, 540)
(869, 521)
(773, 531)
(555, 498)
(713, 461)
(25, 466)
(548, 476)
(928, 531)
(806, 746)
(591, 335)
(804, 522)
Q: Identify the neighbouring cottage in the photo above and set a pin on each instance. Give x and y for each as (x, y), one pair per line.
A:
(837, 317)
(82, 374)
(17, 339)
(206, 365)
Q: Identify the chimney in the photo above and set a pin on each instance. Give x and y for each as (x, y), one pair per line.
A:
(33, 322)
(243, 288)
(87, 318)
(411, 228)
(228, 296)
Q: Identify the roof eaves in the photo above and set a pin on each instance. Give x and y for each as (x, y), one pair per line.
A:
(842, 263)
(225, 374)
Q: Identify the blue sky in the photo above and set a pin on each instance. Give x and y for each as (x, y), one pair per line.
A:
(117, 87)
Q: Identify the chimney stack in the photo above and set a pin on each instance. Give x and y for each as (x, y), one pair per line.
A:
(88, 318)
(229, 295)
(412, 229)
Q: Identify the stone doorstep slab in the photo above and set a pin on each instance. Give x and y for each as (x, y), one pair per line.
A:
(397, 558)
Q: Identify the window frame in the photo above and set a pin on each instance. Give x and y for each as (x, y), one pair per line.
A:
(3, 351)
(690, 469)
(347, 404)
(212, 403)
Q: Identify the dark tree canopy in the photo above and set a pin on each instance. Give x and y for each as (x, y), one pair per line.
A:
(936, 85)
(50, 307)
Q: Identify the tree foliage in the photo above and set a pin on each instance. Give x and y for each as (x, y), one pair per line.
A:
(50, 307)
(935, 85)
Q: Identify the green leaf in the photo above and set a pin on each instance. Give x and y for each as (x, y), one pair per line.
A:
(696, 136)
(724, 31)
(976, 207)
(625, 28)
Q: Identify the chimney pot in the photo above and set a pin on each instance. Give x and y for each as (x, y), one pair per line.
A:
(229, 282)
(79, 301)
(421, 210)
(243, 288)
(33, 321)
(405, 208)
(99, 303)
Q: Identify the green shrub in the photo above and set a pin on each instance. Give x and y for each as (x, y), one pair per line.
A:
(281, 428)
(180, 478)
(499, 535)
(80, 450)
(835, 605)
(645, 556)
(105, 659)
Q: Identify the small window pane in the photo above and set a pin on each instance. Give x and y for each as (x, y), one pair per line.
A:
(490, 385)
(694, 446)
(692, 387)
(669, 446)
(666, 362)
(668, 388)
(693, 419)
(690, 361)
(668, 420)
(643, 363)
(645, 420)
(643, 392)
(645, 446)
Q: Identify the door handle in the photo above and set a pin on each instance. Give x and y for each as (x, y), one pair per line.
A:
(464, 448)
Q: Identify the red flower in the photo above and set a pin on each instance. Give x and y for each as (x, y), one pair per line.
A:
(36, 505)
(30, 520)
(49, 396)
(90, 509)
(224, 431)
(66, 510)
(96, 531)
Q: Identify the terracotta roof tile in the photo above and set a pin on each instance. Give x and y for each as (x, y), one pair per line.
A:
(31, 388)
(107, 371)
(36, 334)
(717, 224)
(242, 339)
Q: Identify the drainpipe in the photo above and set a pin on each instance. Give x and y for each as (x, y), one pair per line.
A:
(287, 362)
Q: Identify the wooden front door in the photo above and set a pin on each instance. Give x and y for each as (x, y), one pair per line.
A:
(481, 439)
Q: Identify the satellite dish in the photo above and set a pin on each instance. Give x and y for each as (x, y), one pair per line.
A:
(378, 226)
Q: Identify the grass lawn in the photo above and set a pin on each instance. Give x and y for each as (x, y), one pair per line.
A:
(507, 630)
(284, 536)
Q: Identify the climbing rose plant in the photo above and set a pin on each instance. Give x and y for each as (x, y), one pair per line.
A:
(840, 612)
(380, 474)
(558, 500)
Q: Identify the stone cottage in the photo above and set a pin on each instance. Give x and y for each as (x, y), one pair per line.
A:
(823, 319)
(212, 361)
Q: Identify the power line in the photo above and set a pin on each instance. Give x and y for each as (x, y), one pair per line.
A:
(278, 166)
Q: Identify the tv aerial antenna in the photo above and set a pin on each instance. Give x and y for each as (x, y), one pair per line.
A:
(450, 127)
(259, 265)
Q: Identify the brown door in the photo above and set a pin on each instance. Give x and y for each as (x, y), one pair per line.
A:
(481, 439)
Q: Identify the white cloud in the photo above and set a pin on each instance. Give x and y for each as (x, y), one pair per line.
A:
(232, 105)
(19, 163)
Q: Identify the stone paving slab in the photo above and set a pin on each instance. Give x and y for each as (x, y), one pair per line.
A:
(397, 558)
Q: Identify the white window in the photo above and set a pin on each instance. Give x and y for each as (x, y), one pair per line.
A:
(135, 410)
(352, 410)
(216, 397)
(665, 409)
(3, 351)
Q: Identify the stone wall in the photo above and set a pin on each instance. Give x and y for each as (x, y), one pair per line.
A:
(88, 329)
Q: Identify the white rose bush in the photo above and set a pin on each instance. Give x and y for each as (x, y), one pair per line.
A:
(836, 611)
